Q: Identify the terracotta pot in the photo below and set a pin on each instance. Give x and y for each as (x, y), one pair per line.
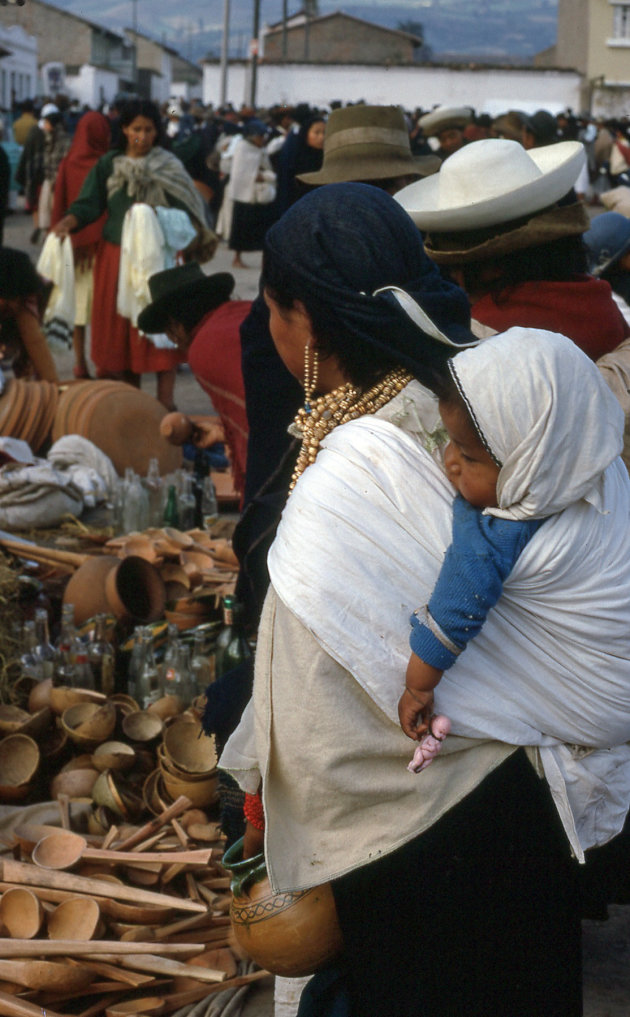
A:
(289, 934)
(131, 589)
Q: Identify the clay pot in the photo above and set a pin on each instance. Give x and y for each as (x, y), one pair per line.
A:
(131, 589)
(176, 428)
(289, 934)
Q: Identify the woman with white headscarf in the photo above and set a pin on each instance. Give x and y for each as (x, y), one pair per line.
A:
(456, 891)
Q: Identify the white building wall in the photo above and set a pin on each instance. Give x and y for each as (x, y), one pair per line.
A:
(92, 86)
(18, 70)
(490, 91)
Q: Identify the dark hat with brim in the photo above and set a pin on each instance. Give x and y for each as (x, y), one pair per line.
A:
(364, 143)
(174, 287)
(18, 277)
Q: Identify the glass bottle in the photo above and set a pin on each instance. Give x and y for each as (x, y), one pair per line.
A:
(232, 644)
(81, 663)
(154, 486)
(201, 666)
(44, 649)
(30, 663)
(102, 658)
(148, 684)
(209, 504)
(186, 504)
(170, 662)
(171, 512)
(136, 505)
(65, 672)
(136, 662)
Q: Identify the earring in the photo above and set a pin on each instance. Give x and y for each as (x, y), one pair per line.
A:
(311, 371)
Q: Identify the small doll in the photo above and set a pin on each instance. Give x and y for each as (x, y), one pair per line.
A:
(430, 744)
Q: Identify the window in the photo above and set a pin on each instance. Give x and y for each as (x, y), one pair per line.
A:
(621, 21)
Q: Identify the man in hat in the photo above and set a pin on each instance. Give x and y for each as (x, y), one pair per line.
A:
(196, 313)
(506, 224)
(539, 130)
(370, 144)
(448, 124)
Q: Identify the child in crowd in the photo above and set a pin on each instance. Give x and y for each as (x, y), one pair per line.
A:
(504, 444)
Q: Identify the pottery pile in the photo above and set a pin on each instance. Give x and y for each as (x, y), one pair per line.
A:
(196, 569)
(27, 411)
(121, 420)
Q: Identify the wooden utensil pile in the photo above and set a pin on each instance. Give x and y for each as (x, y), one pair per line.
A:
(89, 943)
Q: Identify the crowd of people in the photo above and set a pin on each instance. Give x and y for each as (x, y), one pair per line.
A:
(427, 409)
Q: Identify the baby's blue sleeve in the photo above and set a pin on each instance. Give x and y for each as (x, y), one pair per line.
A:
(483, 552)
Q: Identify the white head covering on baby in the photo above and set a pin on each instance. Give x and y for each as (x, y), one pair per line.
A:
(545, 415)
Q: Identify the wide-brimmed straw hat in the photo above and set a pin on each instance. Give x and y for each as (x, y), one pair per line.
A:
(492, 181)
(444, 117)
(174, 287)
(368, 143)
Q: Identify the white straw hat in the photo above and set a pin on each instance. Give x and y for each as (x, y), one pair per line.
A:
(492, 181)
(443, 117)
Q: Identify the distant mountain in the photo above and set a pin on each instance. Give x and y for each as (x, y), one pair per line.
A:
(482, 30)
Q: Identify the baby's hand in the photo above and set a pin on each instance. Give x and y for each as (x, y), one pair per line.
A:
(414, 712)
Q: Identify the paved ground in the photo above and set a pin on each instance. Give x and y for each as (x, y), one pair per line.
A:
(606, 944)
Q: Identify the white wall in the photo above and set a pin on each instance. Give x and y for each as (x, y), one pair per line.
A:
(18, 70)
(493, 91)
(92, 85)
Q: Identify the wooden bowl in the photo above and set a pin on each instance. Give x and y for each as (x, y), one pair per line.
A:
(166, 706)
(189, 748)
(74, 783)
(39, 696)
(201, 793)
(62, 697)
(113, 756)
(21, 912)
(89, 724)
(19, 760)
(12, 718)
(142, 727)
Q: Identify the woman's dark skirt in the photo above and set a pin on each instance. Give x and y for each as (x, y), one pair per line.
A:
(249, 225)
(477, 917)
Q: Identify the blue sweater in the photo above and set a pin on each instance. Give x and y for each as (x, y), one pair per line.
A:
(483, 552)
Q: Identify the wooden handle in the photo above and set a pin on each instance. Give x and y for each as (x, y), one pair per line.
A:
(169, 968)
(97, 947)
(24, 549)
(12, 1006)
(180, 805)
(198, 857)
(30, 875)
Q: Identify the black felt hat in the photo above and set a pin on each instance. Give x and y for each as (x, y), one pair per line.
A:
(175, 287)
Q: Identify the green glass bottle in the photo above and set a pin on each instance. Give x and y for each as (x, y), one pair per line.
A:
(232, 644)
(171, 512)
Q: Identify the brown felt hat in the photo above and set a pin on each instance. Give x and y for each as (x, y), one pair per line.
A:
(368, 143)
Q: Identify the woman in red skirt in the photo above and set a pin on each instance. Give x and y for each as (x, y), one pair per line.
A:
(140, 170)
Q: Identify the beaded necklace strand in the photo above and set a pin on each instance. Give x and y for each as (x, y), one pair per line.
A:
(320, 416)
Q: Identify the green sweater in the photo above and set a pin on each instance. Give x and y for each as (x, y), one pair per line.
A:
(94, 200)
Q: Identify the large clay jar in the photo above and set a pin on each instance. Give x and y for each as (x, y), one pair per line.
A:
(292, 933)
(131, 589)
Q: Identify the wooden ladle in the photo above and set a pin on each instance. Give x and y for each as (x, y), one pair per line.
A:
(63, 849)
(48, 975)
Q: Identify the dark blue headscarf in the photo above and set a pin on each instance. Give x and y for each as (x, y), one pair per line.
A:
(347, 241)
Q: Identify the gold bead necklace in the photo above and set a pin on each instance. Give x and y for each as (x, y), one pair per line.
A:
(320, 416)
